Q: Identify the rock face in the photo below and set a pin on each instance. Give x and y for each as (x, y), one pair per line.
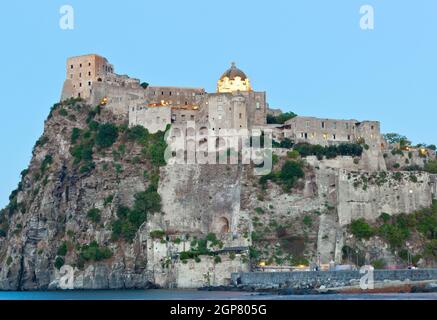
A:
(48, 222)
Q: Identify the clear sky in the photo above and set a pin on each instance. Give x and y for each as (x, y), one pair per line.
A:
(310, 56)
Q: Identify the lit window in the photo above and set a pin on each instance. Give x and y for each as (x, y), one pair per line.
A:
(258, 106)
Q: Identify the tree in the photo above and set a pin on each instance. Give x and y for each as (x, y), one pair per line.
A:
(291, 171)
(281, 118)
(361, 229)
(106, 135)
(431, 166)
(394, 138)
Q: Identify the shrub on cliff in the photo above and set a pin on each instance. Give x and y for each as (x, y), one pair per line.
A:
(431, 166)
(130, 219)
(94, 215)
(106, 135)
(291, 171)
(59, 262)
(361, 229)
(62, 250)
(94, 252)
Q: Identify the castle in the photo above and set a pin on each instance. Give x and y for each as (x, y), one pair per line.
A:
(234, 105)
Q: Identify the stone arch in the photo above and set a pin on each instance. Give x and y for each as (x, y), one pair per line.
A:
(222, 225)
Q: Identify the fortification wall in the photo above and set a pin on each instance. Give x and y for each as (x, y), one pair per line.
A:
(153, 119)
(120, 98)
(366, 195)
(328, 279)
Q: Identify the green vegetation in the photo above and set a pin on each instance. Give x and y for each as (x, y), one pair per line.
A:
(431, 166)
(281, 118)
(294, 154)
(200, 247)
(63, 112)
(308, 221)
(394, 138)
(75, 135)
(330, 152)
(94, 252)
(285, 143)
(108, 200)
(157, 234)
(63, 249)
(129, 220)
(94, 215)
(106, 135)
(361, 229)
(289, 174)
(397, 230)
(59, 262)
(48, 160)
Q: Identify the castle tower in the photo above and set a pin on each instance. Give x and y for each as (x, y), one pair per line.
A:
(82, 72)
(233, 80)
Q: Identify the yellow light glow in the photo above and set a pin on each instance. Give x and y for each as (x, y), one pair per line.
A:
(262, 264)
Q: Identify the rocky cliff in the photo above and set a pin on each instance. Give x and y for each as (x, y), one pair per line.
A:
(97, 196)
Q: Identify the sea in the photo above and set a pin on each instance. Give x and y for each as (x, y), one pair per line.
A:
(158, 294)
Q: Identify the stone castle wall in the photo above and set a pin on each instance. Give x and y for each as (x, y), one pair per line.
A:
(363, 195)
(328, 279)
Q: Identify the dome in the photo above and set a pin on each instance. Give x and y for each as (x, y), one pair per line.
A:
(234, 72)
(233, 80)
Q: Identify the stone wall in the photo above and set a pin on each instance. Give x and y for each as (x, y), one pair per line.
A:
(365, 195)
(154, 119)
(328, 279)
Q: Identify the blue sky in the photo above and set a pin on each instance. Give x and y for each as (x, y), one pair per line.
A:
(310, 56)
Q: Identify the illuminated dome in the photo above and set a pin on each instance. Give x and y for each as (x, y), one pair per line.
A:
(233, 80)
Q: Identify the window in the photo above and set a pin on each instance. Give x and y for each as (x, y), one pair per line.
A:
(89, 83)
(169, 93)
(347, 125)
(240, 115)
(71, 67)
(162, 93)
(71, 76)
(334, 125)
(80, 84)
(333, 136)
(372, 127)
(348, 136)
(192, 117)
(89, 73)
(307, 124)
(89, 64)
(220, 108)
(186, 103)
(323, 124)
(80, 65)
(306, 135)
(258, 106)
(80, 75)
